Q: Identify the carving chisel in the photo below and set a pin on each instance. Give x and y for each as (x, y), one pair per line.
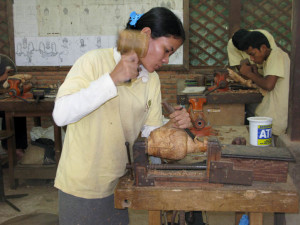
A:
(170, 110)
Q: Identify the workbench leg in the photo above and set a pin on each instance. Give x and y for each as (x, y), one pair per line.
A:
(154, 217)
(238, 217)
(57, 142)
(11, 149)
(256, 218)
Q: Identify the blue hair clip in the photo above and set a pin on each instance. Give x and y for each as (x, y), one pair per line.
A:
(134, 17)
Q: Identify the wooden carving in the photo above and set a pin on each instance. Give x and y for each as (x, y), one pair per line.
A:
(248, 83)
(172, 143)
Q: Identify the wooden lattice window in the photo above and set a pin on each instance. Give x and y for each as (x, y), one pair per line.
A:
(271, 15)
(208, 33)
(210, 26)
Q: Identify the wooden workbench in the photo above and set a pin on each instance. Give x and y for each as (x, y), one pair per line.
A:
(17, 108)
(230, 103)
(261, 197)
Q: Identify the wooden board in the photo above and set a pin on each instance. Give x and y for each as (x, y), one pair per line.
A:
(255, 152)
(226, 134)
(232, 198)
(224, 114)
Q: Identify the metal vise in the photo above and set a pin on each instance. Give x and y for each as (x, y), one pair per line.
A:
(17, 89)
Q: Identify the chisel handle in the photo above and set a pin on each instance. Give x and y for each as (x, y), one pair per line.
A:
(168, 107)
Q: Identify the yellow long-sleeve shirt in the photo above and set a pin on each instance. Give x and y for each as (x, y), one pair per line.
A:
(94, 154)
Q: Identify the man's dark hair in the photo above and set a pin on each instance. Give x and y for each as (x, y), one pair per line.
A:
(238, 37)
(162, 22)
(254, 39)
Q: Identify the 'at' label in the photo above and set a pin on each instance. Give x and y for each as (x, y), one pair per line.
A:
(264, 135)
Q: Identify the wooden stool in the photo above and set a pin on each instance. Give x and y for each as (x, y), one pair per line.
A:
(3, 198)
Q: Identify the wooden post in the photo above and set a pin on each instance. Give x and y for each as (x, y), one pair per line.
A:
(256, 219)
(234, 16)
(154, 217)
(57, 142)
(238, 216)
(9, 8)
(294, 100)
(11, 147)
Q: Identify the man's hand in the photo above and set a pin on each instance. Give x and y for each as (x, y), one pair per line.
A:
(254, 68)
(246, 69)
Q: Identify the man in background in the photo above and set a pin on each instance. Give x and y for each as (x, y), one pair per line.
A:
(275, 78)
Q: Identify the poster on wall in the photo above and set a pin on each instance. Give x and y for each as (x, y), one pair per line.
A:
(58, 32)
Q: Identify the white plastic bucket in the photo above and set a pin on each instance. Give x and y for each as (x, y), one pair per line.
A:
(260, 131)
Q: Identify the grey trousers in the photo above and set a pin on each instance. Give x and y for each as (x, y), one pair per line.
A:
(81, 211)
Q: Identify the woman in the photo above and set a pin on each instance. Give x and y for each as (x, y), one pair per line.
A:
(103, 111)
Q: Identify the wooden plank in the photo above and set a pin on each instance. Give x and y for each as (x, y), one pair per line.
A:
(223, 98)
(255, 152)
(263, 170)
(230, 198)
(215, 114)
(16, 105)
(234, 98)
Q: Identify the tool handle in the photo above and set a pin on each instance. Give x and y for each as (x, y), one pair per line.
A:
(170, 110)
(168, 107)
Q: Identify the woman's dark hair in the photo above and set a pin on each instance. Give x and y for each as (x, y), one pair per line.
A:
(162, 22)
(255, 39)
(238, 37)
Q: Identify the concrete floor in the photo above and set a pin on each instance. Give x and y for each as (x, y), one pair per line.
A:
(42, 197)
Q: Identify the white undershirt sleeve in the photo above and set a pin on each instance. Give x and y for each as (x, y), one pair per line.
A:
(146, 130)
(71, 108)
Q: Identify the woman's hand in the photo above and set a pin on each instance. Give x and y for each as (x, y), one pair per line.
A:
(126, 69)
(180, 118)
